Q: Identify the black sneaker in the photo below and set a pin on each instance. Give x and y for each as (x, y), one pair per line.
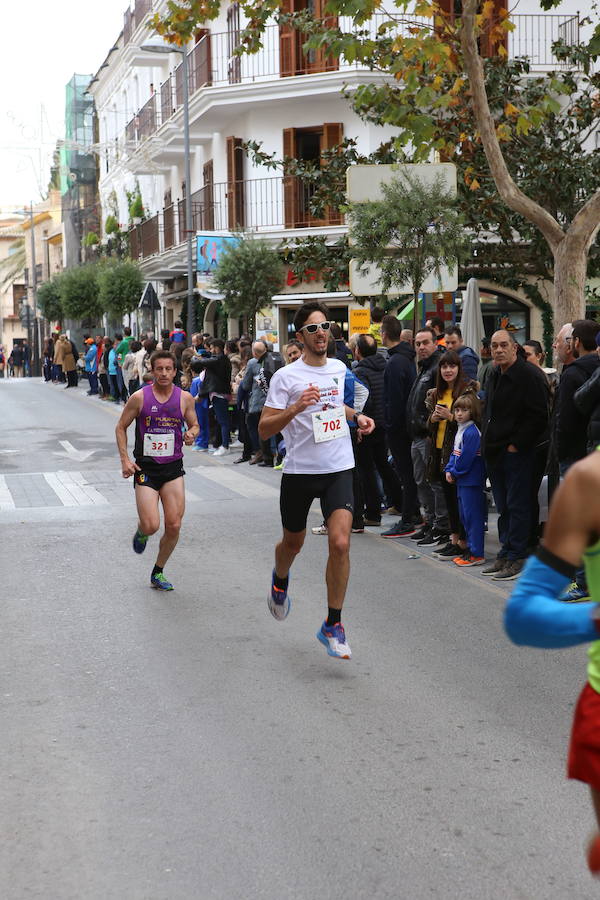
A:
(420, 532)
(428, 539)
(442, 537)
(511, 570)
(400, 529)
(450, 551)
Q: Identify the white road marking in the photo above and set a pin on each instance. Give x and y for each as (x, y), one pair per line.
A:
(71, 452)
(6, 501)
(72, 489)
(236, 482)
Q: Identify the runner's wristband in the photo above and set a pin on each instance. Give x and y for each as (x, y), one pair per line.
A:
(535, 617)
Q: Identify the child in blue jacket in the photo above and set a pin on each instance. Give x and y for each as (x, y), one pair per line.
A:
(466, 468)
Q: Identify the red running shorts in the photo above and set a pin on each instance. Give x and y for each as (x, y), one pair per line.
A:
(584, 749)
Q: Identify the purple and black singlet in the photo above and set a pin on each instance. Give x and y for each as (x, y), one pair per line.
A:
(159, 430)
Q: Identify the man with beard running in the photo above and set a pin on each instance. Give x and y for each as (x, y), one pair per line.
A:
(306, 403)
(160, 410)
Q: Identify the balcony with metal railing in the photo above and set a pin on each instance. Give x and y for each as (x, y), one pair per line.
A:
(261, 205)
(211, 63)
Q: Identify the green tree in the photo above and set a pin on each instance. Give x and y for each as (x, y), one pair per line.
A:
(12, 267)
(49, 299)
(413, 232)
(120, 286)
(248, 274)
(79, 295)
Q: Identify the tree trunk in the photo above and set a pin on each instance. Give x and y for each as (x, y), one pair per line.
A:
(570, 269)
(570, 248)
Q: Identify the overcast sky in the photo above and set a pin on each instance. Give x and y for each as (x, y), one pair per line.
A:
(42, 45)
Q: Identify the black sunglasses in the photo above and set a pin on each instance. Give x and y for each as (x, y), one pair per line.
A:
(315, 326)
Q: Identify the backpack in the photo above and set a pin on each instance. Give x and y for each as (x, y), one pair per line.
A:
(178, 337)
(271, 361)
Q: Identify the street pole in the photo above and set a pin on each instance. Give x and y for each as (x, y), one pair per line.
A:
(34, 350)
(191, 317)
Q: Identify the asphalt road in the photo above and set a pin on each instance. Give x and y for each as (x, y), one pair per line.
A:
(187, 745)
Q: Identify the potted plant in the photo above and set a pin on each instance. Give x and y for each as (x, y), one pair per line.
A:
(136, 210)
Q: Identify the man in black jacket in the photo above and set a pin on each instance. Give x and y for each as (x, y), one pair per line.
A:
(399, 377)
(570, 423)
(217, 386)
(515, 419)
(371, 451)
(417, 416)
(342, 350)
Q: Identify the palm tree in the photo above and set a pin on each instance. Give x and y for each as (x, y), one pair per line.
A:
(13, 265)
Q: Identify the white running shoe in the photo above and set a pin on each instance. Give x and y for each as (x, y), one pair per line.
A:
(319, 529)
(222, 451)
(334, 640)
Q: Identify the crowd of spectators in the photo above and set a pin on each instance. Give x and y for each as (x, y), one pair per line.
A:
(453, 424)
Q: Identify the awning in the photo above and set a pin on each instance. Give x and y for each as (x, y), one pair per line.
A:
(406, 313)
(316, 295)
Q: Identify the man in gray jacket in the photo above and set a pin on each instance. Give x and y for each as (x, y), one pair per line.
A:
(254, 383)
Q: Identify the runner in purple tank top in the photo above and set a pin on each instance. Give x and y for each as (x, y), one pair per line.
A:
(160, 411)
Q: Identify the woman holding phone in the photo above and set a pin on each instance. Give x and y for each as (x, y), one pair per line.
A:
(451, 384)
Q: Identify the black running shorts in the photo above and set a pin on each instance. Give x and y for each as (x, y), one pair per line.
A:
(154, 476)
(334, 490)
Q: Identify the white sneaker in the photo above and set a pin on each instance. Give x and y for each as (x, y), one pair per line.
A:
(334, 640)
(319, 529)
(222, 451)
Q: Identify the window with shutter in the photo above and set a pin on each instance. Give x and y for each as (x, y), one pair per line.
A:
(234, 36)
(292, 59)
(487, 47)
(307, 144)
(290, 200)
(235, 183)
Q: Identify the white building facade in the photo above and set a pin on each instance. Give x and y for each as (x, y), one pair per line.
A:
(288, 101)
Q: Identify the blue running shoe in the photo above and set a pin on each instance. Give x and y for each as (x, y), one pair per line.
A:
(139, 541)
(333, 637)
(278, 601)
(574, 594)
(159, 581)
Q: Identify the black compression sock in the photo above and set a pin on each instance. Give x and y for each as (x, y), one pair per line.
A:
(334, 617)
(157, 570)
(280, 583)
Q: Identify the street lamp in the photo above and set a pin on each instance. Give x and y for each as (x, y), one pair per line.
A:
(168, 48)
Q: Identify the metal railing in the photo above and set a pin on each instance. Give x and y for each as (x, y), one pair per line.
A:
(535, 34)
(211, 63)
(262, 204)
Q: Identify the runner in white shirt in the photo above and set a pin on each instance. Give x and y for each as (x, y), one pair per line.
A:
(306, 403)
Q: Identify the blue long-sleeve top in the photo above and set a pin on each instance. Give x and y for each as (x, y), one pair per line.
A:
(91, 359)
(465, 463)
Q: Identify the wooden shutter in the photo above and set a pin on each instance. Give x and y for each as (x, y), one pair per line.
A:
(200, 59)
(290, 192)
(487, 45)
(287, 44)
(333, 135)
(235, 183)
(208, 207)
(322, 62)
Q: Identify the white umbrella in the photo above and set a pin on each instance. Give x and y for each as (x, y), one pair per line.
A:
(471, 323)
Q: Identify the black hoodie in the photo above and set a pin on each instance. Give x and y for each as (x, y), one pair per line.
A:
(570, 423)
(370, 371)
(400, 374)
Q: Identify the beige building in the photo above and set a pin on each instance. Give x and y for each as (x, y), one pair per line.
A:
(48, 251)
(13, 289)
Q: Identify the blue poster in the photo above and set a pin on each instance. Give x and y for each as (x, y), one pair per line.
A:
(209, 249)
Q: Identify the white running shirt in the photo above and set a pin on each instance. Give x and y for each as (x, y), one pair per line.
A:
(304, 456)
